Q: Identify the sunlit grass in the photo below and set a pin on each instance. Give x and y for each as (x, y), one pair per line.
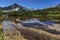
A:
(1, 32)
(1, 35)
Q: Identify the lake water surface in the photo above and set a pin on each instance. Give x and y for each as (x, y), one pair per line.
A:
(31, 23)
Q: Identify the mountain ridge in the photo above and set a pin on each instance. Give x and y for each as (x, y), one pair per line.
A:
(14, 6)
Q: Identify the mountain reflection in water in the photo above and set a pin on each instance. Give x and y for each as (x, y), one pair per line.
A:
(31, 23)
(37, 22)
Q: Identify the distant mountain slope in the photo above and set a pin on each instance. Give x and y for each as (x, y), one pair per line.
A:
(58, 5)
(53, 9)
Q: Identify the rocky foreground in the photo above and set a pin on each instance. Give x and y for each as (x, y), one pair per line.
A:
(14, 31)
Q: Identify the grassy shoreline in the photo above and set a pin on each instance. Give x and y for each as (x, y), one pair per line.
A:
(1, 32)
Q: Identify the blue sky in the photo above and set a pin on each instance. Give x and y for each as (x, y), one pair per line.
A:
(36, 4)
